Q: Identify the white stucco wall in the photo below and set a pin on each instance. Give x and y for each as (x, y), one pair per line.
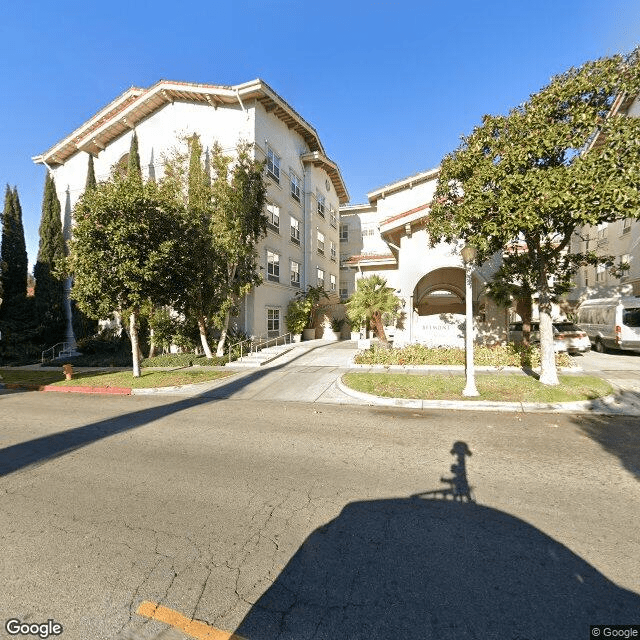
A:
(167, 128)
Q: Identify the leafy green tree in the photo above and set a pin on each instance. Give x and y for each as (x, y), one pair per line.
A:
(370, 301)
(83, 326)
(524, 177)
(198, 287)
(238, 223)
(49, 290)
(302, 310)
(122, 251)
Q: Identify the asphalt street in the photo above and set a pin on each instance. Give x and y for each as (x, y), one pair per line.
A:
(311, 520)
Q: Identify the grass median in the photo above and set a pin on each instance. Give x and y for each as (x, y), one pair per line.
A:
(121, 379)
(496, 387)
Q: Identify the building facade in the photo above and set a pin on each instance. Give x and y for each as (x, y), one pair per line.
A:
(387, 236)
(304, 187)
(619, 239)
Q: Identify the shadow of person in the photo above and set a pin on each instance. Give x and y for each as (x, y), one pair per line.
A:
(458, 488)
(423, 567)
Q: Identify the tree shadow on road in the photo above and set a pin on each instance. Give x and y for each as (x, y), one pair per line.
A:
(434, 565)
(54, 445)
(617, 435)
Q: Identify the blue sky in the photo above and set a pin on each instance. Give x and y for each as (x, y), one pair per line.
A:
(389, 86)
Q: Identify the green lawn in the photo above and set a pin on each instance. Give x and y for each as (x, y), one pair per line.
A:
(505, 388)
(111, 378)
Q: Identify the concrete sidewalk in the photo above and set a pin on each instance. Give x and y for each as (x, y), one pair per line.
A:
(312, 372)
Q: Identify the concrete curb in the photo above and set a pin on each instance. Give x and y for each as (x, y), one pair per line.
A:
(608, 405)
(450, 367)
(118, 391)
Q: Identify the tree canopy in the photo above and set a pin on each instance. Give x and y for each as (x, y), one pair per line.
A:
(13, 253)
(49, 290)
(525, 180)
(123, 250)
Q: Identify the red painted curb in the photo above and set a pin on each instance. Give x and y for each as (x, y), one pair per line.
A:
(119, 391)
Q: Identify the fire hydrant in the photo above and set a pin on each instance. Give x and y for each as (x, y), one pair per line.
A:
(68, 371)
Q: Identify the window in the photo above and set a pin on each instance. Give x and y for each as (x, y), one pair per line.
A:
(295, 230)
(295, 186)
(368, 232)
(273, 322)
(320, 243)
(295, 274)
(273, 215)
(321, 204)
(273, 164)
(332, 282)
(602, 230)
(273, 266)
(321, 278)
(600, 273)
(626, 225)
(344, 293)
(344, 233)
(333, 218)
(333, 250)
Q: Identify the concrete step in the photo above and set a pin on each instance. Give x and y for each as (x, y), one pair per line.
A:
(260, 358)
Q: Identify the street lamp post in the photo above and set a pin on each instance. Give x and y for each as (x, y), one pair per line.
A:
(468, 256)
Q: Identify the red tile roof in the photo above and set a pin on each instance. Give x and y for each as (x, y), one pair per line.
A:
(406, 213)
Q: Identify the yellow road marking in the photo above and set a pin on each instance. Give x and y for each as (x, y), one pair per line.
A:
(192, 628)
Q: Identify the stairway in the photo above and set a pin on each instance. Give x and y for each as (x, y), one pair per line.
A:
(257, 359)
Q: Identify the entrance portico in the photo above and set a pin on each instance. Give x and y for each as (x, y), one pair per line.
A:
(429, 279)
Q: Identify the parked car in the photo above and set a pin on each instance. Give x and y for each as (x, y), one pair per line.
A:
(611, 322)
(566, 336)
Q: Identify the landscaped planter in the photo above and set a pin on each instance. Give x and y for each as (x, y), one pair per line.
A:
(309, 334)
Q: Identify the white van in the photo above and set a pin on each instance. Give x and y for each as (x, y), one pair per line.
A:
(611, 323)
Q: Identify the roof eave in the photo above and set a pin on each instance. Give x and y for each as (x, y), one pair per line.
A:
(388, 189)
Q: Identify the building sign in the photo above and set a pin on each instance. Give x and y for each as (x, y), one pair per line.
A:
(439, 330)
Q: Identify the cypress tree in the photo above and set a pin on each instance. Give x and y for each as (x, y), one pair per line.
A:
(17, 312)
(13, 254)
(49, 291)
(91, 175)
(134, 157)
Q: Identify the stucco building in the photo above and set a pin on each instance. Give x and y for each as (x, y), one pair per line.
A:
(387, 236)
(304, 187)
(620, 239)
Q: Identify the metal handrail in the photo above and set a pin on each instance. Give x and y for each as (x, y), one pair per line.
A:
(64, 345)
(260, 342)
(249, 340)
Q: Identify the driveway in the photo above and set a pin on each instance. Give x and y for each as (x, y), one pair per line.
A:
(305, 374)
(622, 369)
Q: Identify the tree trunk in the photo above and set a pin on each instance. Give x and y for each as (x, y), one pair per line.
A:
(152, 344)
(524, 310)
(223, 335)
(135, 348)
(548, 371)
(202, 325)
(377, 320)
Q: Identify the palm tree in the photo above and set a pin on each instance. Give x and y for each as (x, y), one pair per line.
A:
(370, 301)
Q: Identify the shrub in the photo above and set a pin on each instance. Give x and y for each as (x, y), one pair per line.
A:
(170, 360)
(503, 355)
(202, 361)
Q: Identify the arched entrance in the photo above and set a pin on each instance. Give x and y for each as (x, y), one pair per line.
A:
(439, 307)
(440, 291)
